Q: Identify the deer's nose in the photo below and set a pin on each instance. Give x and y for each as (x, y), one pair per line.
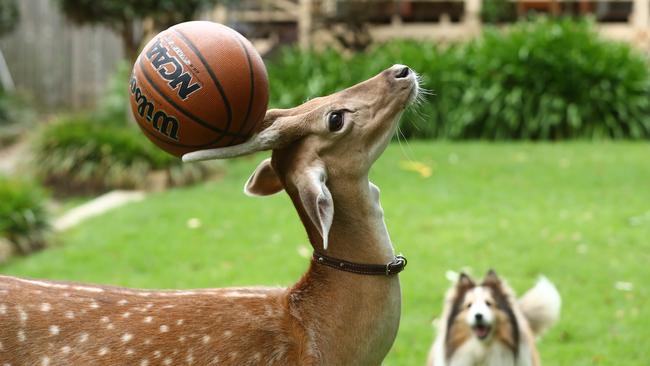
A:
(402, 72)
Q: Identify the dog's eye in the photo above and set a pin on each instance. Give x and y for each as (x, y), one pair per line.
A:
(469, 305)
(335, 121)
(488, 303)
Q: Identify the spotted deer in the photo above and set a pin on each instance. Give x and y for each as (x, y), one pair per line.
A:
(345, 310)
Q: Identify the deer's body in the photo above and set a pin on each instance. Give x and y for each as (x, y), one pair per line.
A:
(329, 317)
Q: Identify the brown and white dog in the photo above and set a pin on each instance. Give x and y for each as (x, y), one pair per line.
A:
(485, 325)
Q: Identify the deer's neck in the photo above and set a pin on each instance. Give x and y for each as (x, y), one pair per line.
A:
(353, 319)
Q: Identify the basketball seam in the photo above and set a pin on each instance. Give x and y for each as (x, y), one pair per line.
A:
(251, 74)
(185, 112)
(172, 143)
(214, 78)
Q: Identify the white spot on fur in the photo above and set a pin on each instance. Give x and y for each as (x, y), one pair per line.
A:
(43, 284)
(88, 289)
(215, 360)
(122, 302)
(157, 354)
(149, 305)
(164, 329)
(65, 350)
(94, 305)
(54, 329)
(110, 326)
(45, 361)
(127, 337)
(167, 361)
(21, 336)
(148, 319)
(179, 322)
(206, 339)
(3, 309)
(102, 351)
(69, 314)
(244, 295)
(104, 319)
(182, 339)
(227, 333)
(147, 341)
(83, 337)
(189, 359)
(46, 307)
(126, 315)
(144, 362)
(22, 315)
(130, 351)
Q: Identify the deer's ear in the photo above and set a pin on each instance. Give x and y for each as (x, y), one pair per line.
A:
(317, 199)
(263, 181)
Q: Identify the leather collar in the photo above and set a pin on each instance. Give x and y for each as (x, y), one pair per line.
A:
(391, 268)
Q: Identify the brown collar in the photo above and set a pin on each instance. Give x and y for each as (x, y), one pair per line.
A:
(391, 268)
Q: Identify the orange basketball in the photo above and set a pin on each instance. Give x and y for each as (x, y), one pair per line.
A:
(198, 85)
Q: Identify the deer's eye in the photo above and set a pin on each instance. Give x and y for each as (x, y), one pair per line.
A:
(335, 121)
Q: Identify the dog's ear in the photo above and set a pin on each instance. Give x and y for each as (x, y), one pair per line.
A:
(464, 282)
(491, 279)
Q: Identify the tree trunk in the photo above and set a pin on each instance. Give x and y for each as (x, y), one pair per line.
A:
(130, 45)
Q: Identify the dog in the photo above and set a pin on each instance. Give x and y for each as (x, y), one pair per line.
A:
(485, 325)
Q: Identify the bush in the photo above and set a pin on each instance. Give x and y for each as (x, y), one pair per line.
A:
(16, 116)
(114, 106)
(78, 156)
(540, 80)
(552, 80)
(23, 218)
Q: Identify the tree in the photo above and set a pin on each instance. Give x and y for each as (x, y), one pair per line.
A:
(126, 17)
(9, 16)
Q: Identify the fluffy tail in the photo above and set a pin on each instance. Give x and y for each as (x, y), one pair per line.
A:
(541, 306)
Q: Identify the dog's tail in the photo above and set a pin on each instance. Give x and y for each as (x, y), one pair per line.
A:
(541, 306)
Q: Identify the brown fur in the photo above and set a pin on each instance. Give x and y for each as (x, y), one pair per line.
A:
(329, 317)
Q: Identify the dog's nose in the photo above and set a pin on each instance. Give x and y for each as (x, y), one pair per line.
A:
(403, 72)
(478, 317)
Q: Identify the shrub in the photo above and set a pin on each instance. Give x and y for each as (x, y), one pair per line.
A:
(16, 116)
(77, 156)
(114, 106)
(539, 80)
(23, 218)
(552, 80)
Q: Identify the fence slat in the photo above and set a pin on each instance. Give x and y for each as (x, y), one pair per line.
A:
(61, 65)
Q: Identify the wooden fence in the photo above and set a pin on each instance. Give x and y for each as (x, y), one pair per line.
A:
(59, 64)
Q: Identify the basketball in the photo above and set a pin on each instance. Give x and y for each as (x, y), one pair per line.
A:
(198, 85)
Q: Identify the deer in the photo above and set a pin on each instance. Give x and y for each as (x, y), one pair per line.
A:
(345, 310)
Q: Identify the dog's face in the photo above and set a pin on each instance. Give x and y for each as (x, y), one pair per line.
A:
(480, 312)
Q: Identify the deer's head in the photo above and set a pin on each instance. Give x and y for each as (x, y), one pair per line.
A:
(336, 137)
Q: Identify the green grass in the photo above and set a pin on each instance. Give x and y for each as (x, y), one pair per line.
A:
(577, 212)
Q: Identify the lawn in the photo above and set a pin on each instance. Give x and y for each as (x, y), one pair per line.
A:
(578, 213)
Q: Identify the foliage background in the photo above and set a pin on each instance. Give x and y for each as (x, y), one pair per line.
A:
(501, 86)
